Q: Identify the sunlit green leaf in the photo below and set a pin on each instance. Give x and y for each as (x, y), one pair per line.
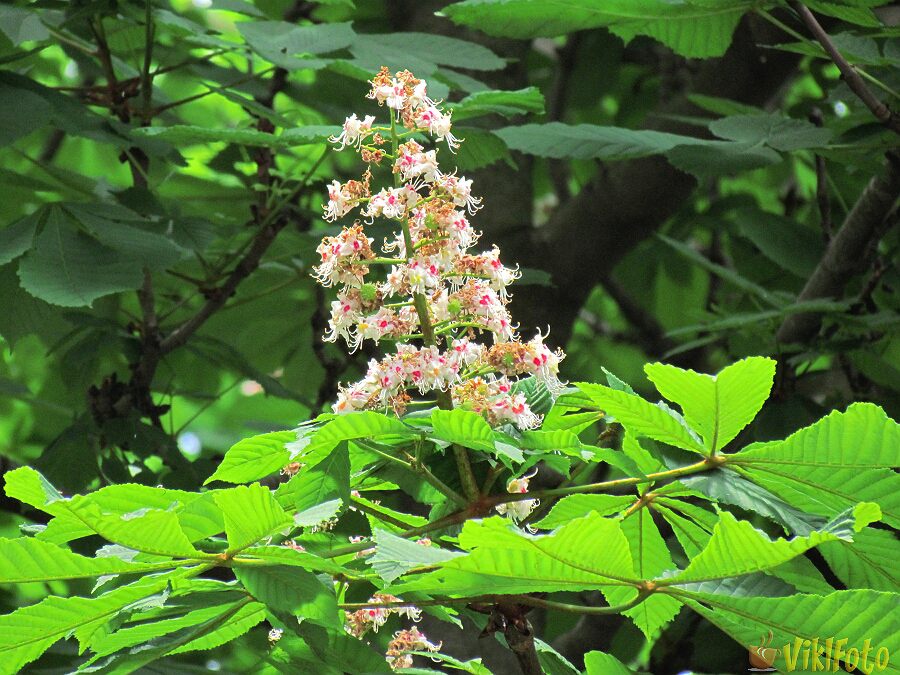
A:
(254, 458)
(642, 417)
(251, 513)
(737, 548)
(719, 406)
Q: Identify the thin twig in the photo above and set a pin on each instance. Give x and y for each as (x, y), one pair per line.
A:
(529, 600)
(271, 226)
(822, 184)
(439, 524)
(849, 74)
(605, 486)
(146, 75)
(204, 94)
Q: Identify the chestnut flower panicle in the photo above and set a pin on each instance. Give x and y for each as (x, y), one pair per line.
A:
(406, 641)
(431, 288)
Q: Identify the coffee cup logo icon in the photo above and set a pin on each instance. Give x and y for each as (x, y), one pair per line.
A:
(762, 656)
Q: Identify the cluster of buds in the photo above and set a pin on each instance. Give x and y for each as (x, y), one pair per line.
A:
(433, 289)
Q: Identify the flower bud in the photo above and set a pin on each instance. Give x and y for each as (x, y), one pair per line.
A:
(368, 292)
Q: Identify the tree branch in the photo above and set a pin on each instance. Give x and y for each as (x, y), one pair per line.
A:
(220, 295)
(846, 251)
(848, 73)
(270, 222)
(519, 636)
(627, 201)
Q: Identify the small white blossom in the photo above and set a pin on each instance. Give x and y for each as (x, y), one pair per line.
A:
(354, 131)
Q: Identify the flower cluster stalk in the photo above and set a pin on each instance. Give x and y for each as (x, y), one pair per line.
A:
(424, 285)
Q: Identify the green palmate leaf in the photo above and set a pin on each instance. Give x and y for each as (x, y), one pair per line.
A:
(197, 514)
(69, 268)
(23, 112)
(780, 133)
(466, 428)
(26, 314)
(493, 102)
(130, 497)
(473, 666)
(775, 299)
(802, 575)
(18, 238)
(715, 158)
(320, 513)
(127, 233)
(26, 560)
(292, 590)
(148, 530)
(157, 639)
(201, 518)
(860, 50)
(552, 661)
(861, 16)
(590, 552)
(691, 536)
(135, 516)
(28, 632)
(720, 406)
(147, 631)
(352, 426)
(254, 458)
(577, 506)
(586, 141)
(757, 584)
(539, 397)
(328, 480)
(248, 616)
(481, 148)
(181, 134)
(646, 461)
(600, 663)
(395, 556)
(377, 513)
(30, 487)
(694, 531)
(864, 618)
(566, 442)
(785, 242)
(869, 562)
(251, 513)
(283, 555)
(737, 548)
(338, 648)
(22, 25)
(281, 42)
(840, 460)
(691, 28)
(561, 440)
(651, 558)
(728, 487)
(403, 50)
(641, 417)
